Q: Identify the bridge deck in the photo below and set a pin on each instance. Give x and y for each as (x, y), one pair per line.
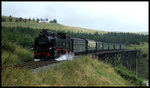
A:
(116, 51)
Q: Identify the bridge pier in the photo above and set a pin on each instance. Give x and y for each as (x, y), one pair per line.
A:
(127, 58)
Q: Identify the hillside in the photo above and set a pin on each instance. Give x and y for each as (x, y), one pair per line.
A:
(83, 71)
(52, 26)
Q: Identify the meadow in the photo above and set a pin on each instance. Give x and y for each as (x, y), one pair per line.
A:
(51, 26)
(83, 71)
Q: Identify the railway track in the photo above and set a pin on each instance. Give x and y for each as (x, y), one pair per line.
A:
(32, 64)
(37, 64)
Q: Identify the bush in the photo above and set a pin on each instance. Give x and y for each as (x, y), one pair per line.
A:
(22, 36)
(14, 54)
(8, 45)
(144, 55)
(129, 75)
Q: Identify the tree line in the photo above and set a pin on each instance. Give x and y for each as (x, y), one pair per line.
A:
(110, 37)
(24, 36)
(113, 37)
(20, 19)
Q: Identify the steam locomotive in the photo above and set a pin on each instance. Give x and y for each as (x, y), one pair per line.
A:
(49, 45)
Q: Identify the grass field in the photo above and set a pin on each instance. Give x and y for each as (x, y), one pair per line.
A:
(83, 71)
(52, 26)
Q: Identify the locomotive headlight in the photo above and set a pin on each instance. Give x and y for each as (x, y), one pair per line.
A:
(50, 48)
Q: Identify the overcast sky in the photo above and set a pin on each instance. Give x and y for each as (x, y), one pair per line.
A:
(107, 16)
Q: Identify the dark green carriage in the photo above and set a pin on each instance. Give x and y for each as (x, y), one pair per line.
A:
(78, 45)
(91, 46)
(99, 46)
(117, 46)
(111, 46)
(122, 46)
(62, 44)
(105, 46)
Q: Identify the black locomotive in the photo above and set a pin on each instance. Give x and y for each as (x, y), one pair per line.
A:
(51, 44)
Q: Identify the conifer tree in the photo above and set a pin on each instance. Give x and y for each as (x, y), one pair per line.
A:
(10, 18)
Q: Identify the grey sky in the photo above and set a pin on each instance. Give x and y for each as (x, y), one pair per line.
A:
(108, 16)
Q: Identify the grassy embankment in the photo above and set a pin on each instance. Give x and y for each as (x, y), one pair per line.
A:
(83, 71)
(14, 54)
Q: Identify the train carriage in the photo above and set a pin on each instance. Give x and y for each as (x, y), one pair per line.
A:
(122, 46)
(91, 46)
(78, 45)
(111, 46)
(99, 46)
(117, 46)
(105, 46)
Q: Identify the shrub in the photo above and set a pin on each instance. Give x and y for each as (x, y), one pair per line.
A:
(14, 54)
(129, 75)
